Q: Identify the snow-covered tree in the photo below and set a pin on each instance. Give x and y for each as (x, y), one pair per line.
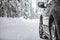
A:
(9, 8)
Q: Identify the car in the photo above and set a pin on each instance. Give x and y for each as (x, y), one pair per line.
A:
(51, 30)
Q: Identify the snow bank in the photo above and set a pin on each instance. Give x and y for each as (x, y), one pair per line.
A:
(16, 20)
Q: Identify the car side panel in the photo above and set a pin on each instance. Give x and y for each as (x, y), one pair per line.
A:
(56, 15)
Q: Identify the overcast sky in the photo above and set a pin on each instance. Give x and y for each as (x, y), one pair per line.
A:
(34, 4)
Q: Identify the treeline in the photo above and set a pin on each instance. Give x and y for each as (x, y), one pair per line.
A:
(13, 8)
(9, 8)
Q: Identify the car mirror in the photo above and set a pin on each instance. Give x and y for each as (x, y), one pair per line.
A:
(41, 5)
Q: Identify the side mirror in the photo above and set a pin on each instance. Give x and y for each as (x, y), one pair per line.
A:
(41, 5)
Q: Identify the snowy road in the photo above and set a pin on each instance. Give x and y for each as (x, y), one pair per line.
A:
(19, 29)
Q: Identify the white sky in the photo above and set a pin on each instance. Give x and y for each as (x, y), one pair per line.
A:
(34, 4)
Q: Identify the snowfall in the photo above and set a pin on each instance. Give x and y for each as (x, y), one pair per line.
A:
(19, 29)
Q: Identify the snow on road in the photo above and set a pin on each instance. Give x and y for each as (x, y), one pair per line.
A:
(19, 29)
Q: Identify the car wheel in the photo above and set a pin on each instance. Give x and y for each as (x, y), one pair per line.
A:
(41, 31)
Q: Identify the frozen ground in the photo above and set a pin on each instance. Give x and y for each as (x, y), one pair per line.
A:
(19, 29)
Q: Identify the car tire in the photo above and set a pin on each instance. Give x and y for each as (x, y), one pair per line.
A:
(41, 27)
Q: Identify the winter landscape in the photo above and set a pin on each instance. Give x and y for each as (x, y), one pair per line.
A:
(19, 20)
(19, 29)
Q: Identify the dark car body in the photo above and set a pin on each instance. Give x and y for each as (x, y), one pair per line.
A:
(55, 12)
